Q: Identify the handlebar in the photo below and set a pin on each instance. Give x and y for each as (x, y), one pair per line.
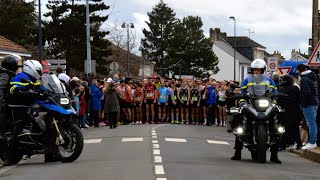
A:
(250, 96)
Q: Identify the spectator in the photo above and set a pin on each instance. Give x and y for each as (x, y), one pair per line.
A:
(112, 106)
(95, 105)
(291, 117)
(83, 107)
(309, 103)
(211, 103)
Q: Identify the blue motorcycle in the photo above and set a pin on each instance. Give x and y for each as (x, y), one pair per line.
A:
(47, 123)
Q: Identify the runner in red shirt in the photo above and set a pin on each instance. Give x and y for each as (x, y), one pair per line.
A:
(138, 97)
(150, 100)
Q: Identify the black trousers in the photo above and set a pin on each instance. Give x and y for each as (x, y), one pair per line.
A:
(239, 145)
(211, 114)
(95, 118)
(112, 117)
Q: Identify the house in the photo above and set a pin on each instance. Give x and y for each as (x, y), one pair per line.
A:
(246, 51)
(298, 56)
(8, 47)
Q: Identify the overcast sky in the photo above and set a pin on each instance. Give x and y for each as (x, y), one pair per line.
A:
(280, 25)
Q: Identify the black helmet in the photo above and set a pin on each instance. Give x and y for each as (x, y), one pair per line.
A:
(11, 62)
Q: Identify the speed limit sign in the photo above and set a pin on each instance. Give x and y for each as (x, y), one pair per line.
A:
(272, 64)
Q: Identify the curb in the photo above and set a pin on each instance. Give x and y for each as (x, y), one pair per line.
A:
(313, 155)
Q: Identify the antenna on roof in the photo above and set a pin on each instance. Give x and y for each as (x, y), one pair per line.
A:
(250, 32)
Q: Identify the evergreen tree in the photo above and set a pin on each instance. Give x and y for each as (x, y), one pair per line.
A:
(192, 50)
(66, 34)
(18, 22)
(154, 47)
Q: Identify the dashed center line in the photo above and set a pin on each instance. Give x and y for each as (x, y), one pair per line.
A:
(175, 140)
(161, 179)
(155, 146)
(157, 159)
(156, 152)
(155, 141)
(159, 169)
(92, 141)
(154, 137)
(154, 134)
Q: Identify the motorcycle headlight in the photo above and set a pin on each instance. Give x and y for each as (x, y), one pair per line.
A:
(64, 101)
(263, 103)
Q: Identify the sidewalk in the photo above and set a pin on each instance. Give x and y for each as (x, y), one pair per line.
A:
(313, 155)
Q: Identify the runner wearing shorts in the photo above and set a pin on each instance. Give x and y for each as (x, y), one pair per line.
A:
(150, 100)
(195, 103)
(184, 98)
(162, 102)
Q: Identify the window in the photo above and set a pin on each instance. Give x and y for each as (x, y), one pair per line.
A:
(242, 73)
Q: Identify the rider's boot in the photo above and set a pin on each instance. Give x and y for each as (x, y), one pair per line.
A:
(274, 158)
(237, 155)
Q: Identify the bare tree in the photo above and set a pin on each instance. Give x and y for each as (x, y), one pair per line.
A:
(118, 36)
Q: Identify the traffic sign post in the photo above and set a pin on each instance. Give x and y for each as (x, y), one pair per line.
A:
(272, 64)
(314, 59)
(285, 69)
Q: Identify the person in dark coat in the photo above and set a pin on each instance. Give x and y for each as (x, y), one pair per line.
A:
(112, 106)
(291, 116)
(309, 103)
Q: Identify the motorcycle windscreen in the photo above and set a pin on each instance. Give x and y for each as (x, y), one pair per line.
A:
(53, 84)
(258, 84)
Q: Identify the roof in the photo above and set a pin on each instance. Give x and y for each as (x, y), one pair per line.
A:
(7, 45)
(228, 49)
(242, 42)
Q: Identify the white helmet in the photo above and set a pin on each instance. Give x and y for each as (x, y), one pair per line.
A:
(258, 64)
(32, 68)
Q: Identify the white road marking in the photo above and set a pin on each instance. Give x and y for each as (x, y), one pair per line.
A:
(156, 152)
(159, 169)
(159, 126)
(154, 141)
(154, 134)
(92, 141)
(154, 137)
(155, 146)
(161, 179)
(157, 159)
(137, 139)
(217, 142)
(175, 140)
(153, 131)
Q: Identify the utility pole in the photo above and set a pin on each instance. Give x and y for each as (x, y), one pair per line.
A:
(40, 34)
(128, 26)
(234, 48)
(88, 64)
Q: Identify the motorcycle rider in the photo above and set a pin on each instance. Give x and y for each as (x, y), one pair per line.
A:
(9, 67)
(257, 67)
(31, 72)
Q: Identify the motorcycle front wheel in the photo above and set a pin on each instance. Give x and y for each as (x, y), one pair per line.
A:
(262, 144)
(73, 146)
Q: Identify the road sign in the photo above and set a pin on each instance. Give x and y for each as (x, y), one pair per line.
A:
(272, 64)
(285, 69)
(114, 66)
(56, 61)
(314, 60)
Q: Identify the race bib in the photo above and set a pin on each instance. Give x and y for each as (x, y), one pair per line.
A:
(163, 97)
(173, 98)
(138, 99)
(204, 96)
(149, 95)
(194, 98)
(184, 98)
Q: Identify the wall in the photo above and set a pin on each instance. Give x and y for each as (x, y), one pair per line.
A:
(225, 65)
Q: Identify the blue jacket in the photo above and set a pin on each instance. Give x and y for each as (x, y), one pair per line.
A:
(96, 95)
(17, 85)
(309, 89)
(212, 97)
(266, 79)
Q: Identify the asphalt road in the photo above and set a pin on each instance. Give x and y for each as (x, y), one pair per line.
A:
(172, 152)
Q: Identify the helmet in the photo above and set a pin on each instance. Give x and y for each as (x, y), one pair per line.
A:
(258, 64)
(11, 62)
(32, 68)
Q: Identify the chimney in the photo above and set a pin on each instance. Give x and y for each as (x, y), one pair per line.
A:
(215, 34)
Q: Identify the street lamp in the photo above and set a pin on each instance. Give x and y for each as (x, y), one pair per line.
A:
(180, 65)
(128, 25)
(234, 48)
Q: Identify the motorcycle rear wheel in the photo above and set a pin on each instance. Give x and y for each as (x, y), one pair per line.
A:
(261, 144)
(73, 143)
